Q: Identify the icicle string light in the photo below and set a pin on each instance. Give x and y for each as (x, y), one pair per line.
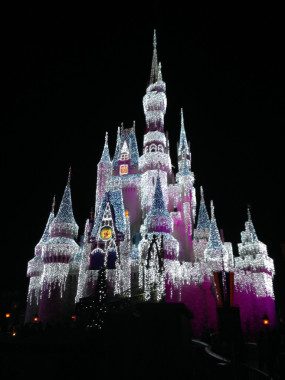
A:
(142, 240)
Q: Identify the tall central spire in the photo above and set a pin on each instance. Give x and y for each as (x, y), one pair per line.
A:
(154, 63)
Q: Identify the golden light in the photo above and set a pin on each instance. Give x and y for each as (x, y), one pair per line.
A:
(126, 213)
(36, 319)
(7, 315)
(266, 322)
(106, 233)
(14, 333)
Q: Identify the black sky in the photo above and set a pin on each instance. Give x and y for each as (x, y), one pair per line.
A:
(71, 73)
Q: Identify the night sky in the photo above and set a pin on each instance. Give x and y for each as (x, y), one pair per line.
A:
(71, 73)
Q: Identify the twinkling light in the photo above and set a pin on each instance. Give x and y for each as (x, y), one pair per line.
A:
(158, 218)
(161, 256)
(154, 136)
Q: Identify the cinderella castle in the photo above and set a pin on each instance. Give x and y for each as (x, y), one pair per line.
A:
(151, 236)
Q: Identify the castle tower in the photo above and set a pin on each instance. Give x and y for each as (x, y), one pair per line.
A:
(35, 269)
(215, 251)
(254, 271)
(125, 165)
(202, 230)
(107, 234)
(104, 172)
(158, 249)
(59, 250)
(186, 207)
(155, 151)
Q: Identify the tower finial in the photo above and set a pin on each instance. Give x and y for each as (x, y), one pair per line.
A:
(201, 193)
(106, 138)
(182, 119)
(154, 64)
(154, 38)
(248, 212)
(53, 204)
(69, 176)
(212, 210)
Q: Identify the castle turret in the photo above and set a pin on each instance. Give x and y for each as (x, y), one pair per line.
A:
(158, 249)
(254, 272)
(35, 269)
(155, 151)
(58, 252)
(202, 230)
(185, 209)
(158, 219)
(104, 172)
(215, 250)
(125, 165)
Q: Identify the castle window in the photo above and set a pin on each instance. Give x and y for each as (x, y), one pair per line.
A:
(160, 148)
(153, 148)
(124, 169)
(146, 149)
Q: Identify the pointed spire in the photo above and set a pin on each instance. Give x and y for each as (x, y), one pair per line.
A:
(212, 210)
(106, 154)
(183, 148)
(250, 225)
(53, 205)
(154, 65)
(158, 218)
(203, 222)
(215, 242)
(158, 200)
(65, 212)
(69, 176)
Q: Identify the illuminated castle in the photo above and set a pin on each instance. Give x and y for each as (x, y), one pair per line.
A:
(146, 234)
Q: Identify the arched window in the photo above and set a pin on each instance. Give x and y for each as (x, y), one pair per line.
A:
(96, 259)
(146, 149)
(111, 259)
(153, 148)
(160, 148)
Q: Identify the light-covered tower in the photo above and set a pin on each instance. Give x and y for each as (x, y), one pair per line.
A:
(125, 166)
(254, 272)
(202, 230)
(215, 251)
(158, 249)
(155, 151)
(35, 269)
(186, 204)
(104, 172)
(56, 300)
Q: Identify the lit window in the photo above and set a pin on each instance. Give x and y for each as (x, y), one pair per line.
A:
(124, 169)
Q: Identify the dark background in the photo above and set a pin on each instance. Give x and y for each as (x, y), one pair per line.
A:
(70, 73)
